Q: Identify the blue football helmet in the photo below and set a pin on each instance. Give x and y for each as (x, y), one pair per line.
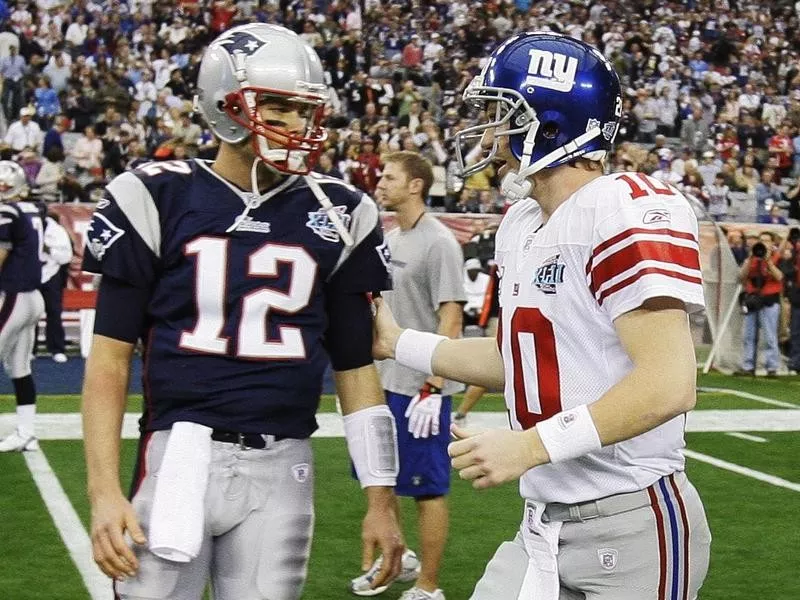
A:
(556, 98)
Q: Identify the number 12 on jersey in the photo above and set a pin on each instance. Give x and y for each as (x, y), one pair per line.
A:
(537, 385)
(252, 341)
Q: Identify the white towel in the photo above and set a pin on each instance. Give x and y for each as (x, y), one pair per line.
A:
(178, 514)
(541, 542)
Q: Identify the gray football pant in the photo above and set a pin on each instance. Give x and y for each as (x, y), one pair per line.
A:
(657, 551)
(19, 314)
(258, 526)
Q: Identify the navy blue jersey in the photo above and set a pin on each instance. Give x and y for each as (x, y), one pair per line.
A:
(236, 320)
(21, 233)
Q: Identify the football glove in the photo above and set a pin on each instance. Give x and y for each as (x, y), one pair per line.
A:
(423, 412)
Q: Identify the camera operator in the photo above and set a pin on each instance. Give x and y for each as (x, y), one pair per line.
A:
(763, 282)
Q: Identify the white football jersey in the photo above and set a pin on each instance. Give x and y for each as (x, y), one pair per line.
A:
(619, 240)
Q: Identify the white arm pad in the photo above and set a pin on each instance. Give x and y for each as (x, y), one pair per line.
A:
(372, 442)
(569, 434)
(415, 349)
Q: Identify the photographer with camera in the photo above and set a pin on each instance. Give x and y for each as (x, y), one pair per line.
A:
(763, 282)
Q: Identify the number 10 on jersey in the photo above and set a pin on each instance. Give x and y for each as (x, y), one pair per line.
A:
(536, 379)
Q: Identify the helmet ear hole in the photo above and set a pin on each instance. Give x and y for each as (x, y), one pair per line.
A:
(550, 130)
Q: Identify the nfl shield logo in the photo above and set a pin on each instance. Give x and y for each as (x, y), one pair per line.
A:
(608, 558)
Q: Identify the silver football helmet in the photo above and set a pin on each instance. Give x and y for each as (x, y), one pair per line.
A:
(248, 63)
(13, 183)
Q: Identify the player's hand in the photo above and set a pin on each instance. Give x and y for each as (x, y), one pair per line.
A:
(385, 331)
(423, 412)
(490, 457)
(112, 516)
(381, 530)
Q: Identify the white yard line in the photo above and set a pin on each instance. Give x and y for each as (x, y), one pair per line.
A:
(734, 468)
(747, 437)
(749, 396)
(69, 525)
(67, 426)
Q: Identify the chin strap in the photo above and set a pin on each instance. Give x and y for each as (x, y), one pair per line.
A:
(251, 203)
(517, 186)
(330, 210)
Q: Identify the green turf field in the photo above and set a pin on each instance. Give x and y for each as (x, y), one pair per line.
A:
(754, 523)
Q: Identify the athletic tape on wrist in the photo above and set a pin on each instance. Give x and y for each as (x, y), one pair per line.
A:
(569, 434)
(372, 442)
(415, 349)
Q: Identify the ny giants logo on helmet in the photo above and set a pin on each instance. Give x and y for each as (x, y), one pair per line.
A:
(551, 70)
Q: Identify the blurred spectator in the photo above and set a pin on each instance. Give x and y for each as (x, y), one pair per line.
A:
(780, 146)
(88, 151)
(411, 120)
(326, 166)
(47, 103)
(737, 245)
(476, 282)
(58, 72)
(24, 133)
(50, 177)
(767, 193)
(709, 167)
(12, 70)
(222, 15)
(695, 132)
(412, 53)
(646, 111)
(747, 177)
(718, 195)
(187, 132)
(365, 170)
(30, 163)
(774, 215)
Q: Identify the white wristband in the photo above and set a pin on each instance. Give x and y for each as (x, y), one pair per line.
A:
(415, 349)
(372, 442)
(569, 434)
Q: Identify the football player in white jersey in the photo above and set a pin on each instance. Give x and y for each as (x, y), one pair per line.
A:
(594, 352)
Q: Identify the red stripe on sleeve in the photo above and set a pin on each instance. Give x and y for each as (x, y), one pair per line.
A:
(627, 258)
(632, 231)
(639, 274)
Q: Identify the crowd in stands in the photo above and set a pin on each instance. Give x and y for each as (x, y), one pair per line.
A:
(711, 88)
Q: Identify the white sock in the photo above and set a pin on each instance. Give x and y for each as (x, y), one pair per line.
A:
(25, 417)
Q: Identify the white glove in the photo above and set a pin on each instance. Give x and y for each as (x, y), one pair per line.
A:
(423, 412)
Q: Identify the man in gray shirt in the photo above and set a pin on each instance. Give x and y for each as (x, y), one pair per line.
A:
(427, 294)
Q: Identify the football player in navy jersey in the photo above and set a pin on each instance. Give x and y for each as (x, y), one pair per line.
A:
(21, 304)
(243, 277)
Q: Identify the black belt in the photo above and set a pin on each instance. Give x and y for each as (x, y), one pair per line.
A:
(245, 440)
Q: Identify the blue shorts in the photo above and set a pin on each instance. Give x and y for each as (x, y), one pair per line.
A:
(424, 463)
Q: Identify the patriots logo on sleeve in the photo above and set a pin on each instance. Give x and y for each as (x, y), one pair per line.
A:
(101, 235)
(385, 255)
